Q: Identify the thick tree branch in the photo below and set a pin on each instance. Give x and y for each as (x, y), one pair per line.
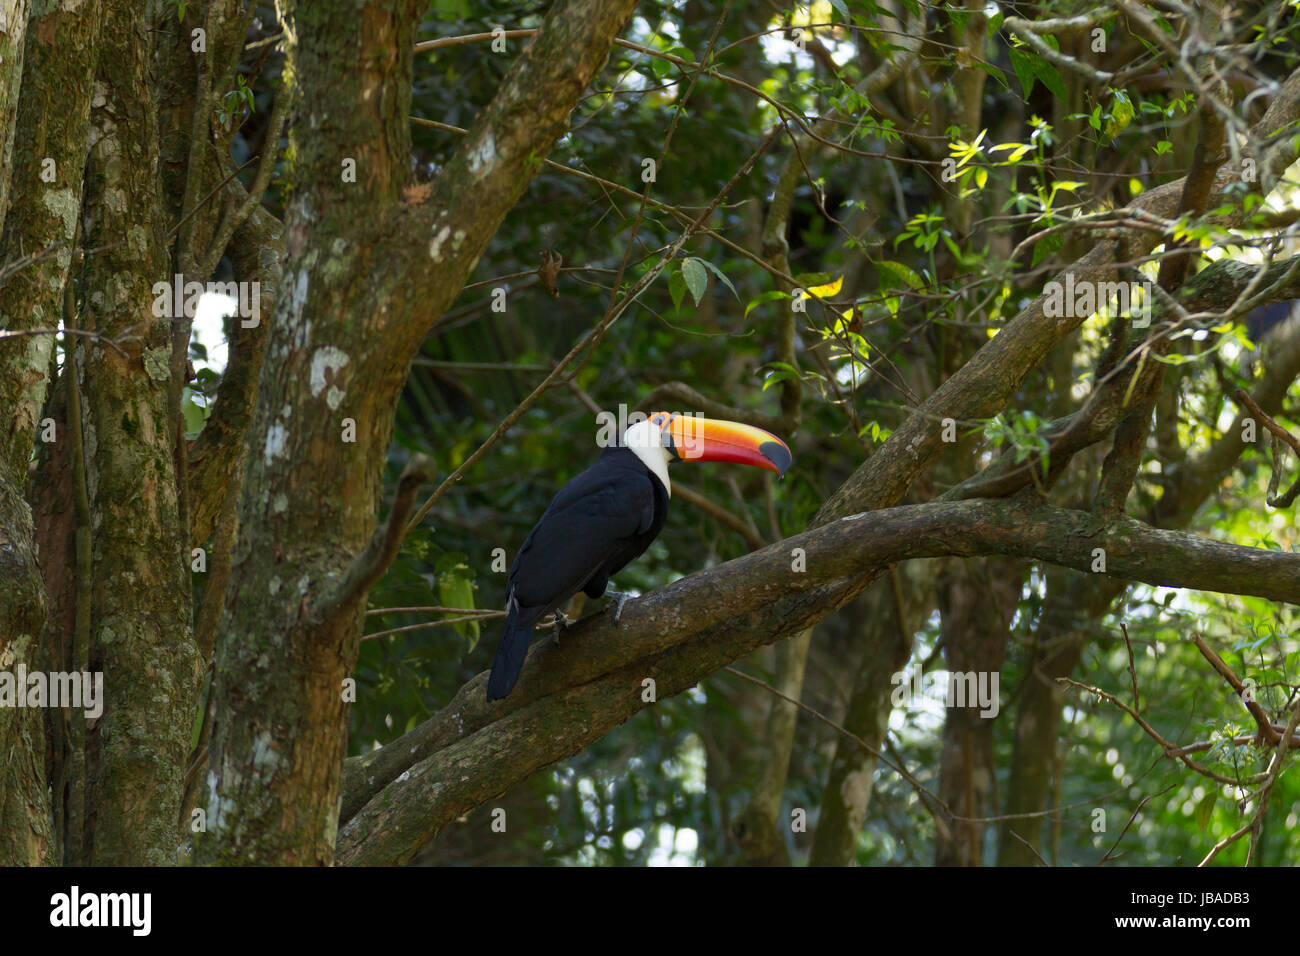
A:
(501, 154)
(1120, 467)
(679, 618)
(1215, 289)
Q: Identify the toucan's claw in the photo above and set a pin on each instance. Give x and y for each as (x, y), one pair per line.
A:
(622, 597)
(562, 624)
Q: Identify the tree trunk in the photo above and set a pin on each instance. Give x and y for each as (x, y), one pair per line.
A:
(361, 291)
(44, 136)
(977, 600)
(140, 599)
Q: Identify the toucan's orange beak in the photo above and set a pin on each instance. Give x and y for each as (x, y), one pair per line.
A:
(693, 438)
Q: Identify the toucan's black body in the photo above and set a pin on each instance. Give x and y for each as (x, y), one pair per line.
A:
(600, 521)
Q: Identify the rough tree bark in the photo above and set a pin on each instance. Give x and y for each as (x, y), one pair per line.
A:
(140, 600)
(366, 276)
(45, 133)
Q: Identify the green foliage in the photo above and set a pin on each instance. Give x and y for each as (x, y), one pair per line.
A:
(196, 415)
(696, 278)
(919, 289)
(233, 104)
(1024, 434)
(456, 590)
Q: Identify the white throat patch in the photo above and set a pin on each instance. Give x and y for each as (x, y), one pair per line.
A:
(646, 442)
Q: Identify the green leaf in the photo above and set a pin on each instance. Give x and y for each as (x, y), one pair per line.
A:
(1121, 114)
(774, 372)
(899, 271)
(1023, 64)
(844, 10)
(1205, 808)
(722, 276)
(780, 376)
(195, 415)
(1049, 77)
(1046, 246)
(993, 71)
(676, 289)
(825, 290)
(456, 589)
(697, 279)
(765, 297)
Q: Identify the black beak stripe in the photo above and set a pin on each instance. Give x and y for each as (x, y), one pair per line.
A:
(777, 454)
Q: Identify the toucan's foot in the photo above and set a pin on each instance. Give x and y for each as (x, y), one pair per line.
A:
(621, 598)
(562, 624)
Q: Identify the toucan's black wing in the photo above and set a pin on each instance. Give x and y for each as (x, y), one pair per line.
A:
(597, 519)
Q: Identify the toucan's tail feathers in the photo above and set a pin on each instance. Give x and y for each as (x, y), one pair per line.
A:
(510, 655)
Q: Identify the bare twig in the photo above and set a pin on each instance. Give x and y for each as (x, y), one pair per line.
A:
(1031, 847)
(721, 514)
(1169, 748)
(1132, 671)
(929, 799)
(425, 625)
(1110, 854)
(83, 333)
(1266, 732)
(431, 609)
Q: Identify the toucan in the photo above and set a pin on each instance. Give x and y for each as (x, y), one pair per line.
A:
(607, 516)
